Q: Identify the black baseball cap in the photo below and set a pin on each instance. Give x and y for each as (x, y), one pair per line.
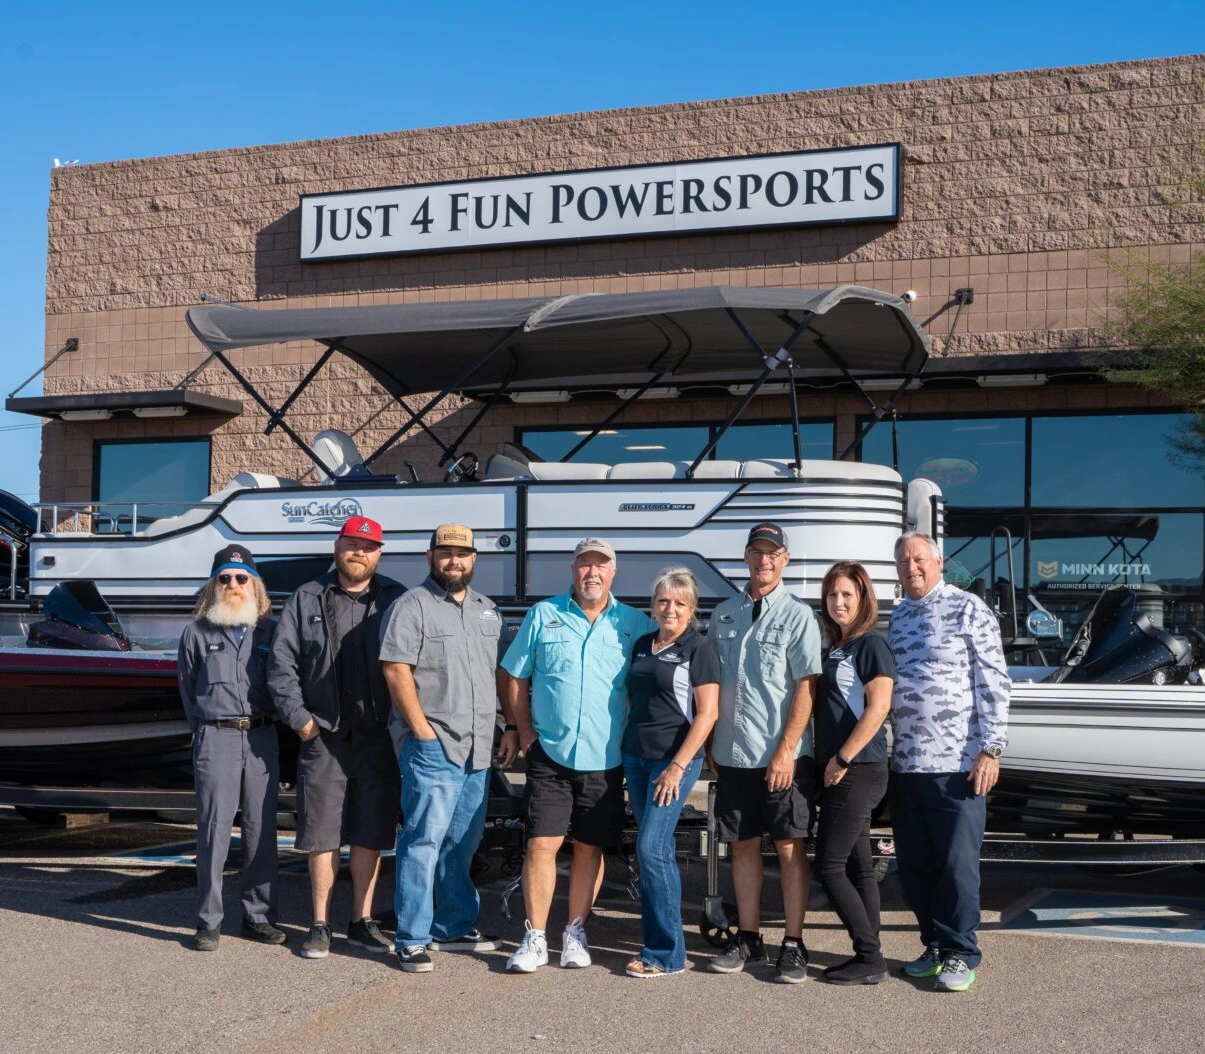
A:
(768, 532)
(233, 558)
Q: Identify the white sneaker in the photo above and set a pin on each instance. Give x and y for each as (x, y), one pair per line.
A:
(531, 954)
(575, 949)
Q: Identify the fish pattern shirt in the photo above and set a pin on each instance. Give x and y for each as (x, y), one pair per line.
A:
(952, 685)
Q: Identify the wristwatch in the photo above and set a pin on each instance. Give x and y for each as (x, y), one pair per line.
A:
(993, 751)
(841, 762)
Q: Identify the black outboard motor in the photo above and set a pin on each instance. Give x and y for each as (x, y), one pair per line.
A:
(78, 617)
(1117, 646)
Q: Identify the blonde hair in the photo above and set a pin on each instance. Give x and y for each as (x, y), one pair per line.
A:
(680, 580)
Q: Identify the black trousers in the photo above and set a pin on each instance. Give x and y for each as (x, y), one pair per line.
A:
(844, 863)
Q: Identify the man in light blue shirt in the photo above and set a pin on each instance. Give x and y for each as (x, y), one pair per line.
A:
(769, 645)
(567, 668)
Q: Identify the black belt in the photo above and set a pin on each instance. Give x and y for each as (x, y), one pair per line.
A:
(243, 724)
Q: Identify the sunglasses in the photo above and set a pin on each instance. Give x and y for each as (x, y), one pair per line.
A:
(242, 580)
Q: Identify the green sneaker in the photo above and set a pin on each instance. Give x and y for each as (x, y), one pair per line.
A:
(928, 965)
(955, 976)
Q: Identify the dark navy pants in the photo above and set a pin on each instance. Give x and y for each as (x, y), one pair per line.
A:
(236, 769)
(938, 824)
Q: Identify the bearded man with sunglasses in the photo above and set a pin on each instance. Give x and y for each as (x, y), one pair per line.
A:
(325, 675)
(222, 672)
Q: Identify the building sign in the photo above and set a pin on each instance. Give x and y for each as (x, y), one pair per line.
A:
(1108, 571)
(859, 184)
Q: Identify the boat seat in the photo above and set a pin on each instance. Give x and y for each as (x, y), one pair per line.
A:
(767, 468)
(501, 466)
(338, 453)
(257, 481)
(567, 470)
(719, 470)
(649, 470)
(918, 506)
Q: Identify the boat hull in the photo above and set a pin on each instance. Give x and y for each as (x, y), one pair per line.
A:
(1103, 759)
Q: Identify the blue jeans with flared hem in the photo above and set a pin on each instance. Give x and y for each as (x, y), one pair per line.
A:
(656, 851)
(443, 817)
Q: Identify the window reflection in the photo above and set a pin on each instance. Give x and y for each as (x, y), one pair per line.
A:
(1134, 454)
(161, 478)
(975, 461)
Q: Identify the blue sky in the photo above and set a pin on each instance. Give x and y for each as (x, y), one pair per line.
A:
(102, 81)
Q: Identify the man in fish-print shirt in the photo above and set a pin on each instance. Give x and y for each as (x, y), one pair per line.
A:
(949, 721)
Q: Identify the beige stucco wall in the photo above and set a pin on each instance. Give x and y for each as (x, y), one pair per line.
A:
(1017, 185)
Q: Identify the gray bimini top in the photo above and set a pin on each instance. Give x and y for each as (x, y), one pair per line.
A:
(713, 335)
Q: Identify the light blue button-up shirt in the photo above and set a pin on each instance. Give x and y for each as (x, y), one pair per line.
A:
(577, 669)
(761, 662)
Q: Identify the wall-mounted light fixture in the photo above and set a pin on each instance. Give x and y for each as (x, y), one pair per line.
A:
(653, 393)
(1011, 380)
(539, 397)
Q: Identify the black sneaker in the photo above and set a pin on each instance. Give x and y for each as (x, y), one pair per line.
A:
(857, 971)
(473, 941)
(792, 965)
(206, 940)
(367, 934)
(740, 953)
(318, 944)
(263, 932)
(414, 959)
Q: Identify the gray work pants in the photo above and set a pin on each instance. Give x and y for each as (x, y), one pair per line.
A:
(234, 768)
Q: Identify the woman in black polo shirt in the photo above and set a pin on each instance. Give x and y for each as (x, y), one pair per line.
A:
(674, 690)
(853, 697)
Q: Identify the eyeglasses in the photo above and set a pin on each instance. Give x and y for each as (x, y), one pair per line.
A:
(242, 580)
(757, 554)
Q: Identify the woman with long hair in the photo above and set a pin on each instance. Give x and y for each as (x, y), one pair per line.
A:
(674, 690)
(853, 698)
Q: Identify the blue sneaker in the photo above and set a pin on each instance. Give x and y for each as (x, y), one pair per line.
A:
(928, 965)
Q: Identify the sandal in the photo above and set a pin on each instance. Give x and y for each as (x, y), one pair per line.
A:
(640, 968)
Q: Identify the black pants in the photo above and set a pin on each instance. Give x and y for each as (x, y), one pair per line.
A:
(844, 863)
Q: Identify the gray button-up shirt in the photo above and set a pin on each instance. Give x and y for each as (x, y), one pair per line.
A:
(222, 676)
(761, 662)
(453, 651)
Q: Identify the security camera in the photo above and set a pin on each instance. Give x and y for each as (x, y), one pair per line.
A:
(909, 295)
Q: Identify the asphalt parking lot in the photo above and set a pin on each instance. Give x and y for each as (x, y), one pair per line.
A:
(95, 925)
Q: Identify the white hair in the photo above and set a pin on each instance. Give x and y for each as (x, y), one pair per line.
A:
(907, 536)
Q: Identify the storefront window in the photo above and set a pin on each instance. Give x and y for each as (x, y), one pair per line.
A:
(752, 441)
(742, 442)
(975, 461)
(162, 478)
(1114, 460)
(613, 445)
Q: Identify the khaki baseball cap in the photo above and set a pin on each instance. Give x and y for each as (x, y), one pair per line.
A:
(594, 545)
(452, 535)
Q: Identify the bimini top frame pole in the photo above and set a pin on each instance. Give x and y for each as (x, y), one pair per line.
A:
(588, 342)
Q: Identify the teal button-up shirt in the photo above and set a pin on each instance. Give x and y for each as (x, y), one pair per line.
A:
(761, 661)
(577, 669)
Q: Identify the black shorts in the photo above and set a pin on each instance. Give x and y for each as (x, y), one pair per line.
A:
(745, 808)
(348, 791)
(557, 798)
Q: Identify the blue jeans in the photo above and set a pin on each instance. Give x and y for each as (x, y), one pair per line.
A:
(443, 810)
(656, 850)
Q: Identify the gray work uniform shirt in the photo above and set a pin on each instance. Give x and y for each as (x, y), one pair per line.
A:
(222, 676)
(760, 663)
(453, 650)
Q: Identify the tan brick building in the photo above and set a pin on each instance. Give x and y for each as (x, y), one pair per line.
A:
(1016, 186)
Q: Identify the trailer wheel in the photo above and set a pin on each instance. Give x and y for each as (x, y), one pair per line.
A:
(714, 935)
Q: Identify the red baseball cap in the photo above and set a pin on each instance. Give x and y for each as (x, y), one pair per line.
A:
(363, 528)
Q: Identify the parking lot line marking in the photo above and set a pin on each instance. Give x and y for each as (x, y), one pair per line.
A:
(1108, 916)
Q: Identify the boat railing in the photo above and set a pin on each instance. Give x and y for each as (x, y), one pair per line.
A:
(103, 518)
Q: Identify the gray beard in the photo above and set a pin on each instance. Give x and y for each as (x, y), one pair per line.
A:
(245, 613)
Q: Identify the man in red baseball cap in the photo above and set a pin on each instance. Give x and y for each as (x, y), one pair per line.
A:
(325, 676)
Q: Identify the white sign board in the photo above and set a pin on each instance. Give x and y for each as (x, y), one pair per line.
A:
(855, 185)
